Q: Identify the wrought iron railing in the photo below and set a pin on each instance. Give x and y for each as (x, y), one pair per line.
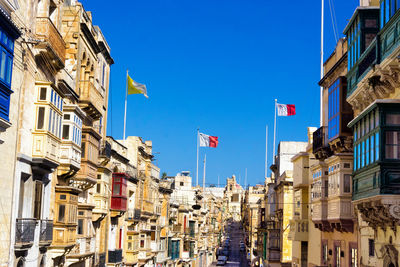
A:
(46, 231)
(25, 231)
(115, 256)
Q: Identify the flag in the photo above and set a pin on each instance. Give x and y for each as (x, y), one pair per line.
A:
(207, 140)
(136, 88)
(286, 110)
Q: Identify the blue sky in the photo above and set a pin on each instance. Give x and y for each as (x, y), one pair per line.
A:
(217, 65)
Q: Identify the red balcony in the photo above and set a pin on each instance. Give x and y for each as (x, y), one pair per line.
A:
(119, 195)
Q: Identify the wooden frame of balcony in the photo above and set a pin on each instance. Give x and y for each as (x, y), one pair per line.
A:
(52, 46)
(90, 99)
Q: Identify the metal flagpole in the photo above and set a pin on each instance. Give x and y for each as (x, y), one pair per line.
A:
(266, 151)
(218, 181)
(322, 62)
(197, 168)
(245, 176)
(204, 172)
(273, 159)
(126, 101)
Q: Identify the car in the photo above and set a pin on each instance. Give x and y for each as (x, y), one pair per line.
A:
(222, 260)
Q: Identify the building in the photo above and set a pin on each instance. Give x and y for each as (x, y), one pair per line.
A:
(233, 197)
(251, 211)
(372, 91)
(279, 245)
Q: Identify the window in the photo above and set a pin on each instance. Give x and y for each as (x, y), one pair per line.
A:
(353, 257)
(61, 213)
(334, 110)
(40, 121)
(372, 152)
(83, 147)
(65, 134)
(337, 256)
(43, 93)
(324, 251)
(38, 200)
(347, 183)
(181, 183)
(371, 247)
(80, 227)
(98, 188)
(393, 119)
(377, 146)
(142, 243)
(6, 62)
(392, 145)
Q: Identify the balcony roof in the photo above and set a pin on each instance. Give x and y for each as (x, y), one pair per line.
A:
(354, 16)
(370, 107)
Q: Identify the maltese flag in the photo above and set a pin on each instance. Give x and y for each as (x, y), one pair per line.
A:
(286, 110)
(208, 141)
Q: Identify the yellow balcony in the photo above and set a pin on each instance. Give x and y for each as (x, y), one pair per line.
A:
(148, 207)
(86, 177)
(131, 257)
(91, 100)
(298, 230)
(46, 147)
(64, 236)
(52, 45)
(341, 214)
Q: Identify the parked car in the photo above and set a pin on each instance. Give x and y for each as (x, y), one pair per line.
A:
(222, 260)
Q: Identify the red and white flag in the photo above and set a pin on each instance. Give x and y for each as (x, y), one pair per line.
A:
(286, 109)
(207, 140)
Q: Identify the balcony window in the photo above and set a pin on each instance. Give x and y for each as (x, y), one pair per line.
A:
(371, 247)
(6, 63)
(337, 256)
(61, 213)
(347, 183)
(80, 227)
(392, 145)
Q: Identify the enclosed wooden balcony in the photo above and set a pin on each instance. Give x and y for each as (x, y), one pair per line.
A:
(321, 148)
(70, 155)
(298, 230)
(46, 150)
(85, 246)
(148, 207)
(341, 214)
(90, 99)
(52, 46)
(86, 177)
(119, 194)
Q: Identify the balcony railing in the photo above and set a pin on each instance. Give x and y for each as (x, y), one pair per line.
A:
(115, 256)
(25, 232)
(105, 150)
(49, 35)
(90, 95)
(46, 231)
(102, 260)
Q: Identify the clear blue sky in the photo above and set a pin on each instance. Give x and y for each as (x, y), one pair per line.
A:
(217, 65)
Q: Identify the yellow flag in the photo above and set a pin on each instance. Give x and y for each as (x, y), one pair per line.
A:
(136, 88)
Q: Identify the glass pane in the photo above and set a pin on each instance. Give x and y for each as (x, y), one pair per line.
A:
(372, 152)
(61, 213)
(116, 189)
(393, 119)
(392, 145)
(41, 113)
(376, 118)
(9, 70)
(42, 94)
(377, 146)
(3, 66)
(65, 134)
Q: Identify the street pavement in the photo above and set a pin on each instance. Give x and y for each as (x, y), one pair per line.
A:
(236, 257)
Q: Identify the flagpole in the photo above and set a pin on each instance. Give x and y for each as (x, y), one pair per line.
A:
(322, 63)
(204, 172)
(273, 155)
(266, 151)
(197, 162)
(126, 101)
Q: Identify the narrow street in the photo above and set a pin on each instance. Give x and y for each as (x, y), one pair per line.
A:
(236, 257)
